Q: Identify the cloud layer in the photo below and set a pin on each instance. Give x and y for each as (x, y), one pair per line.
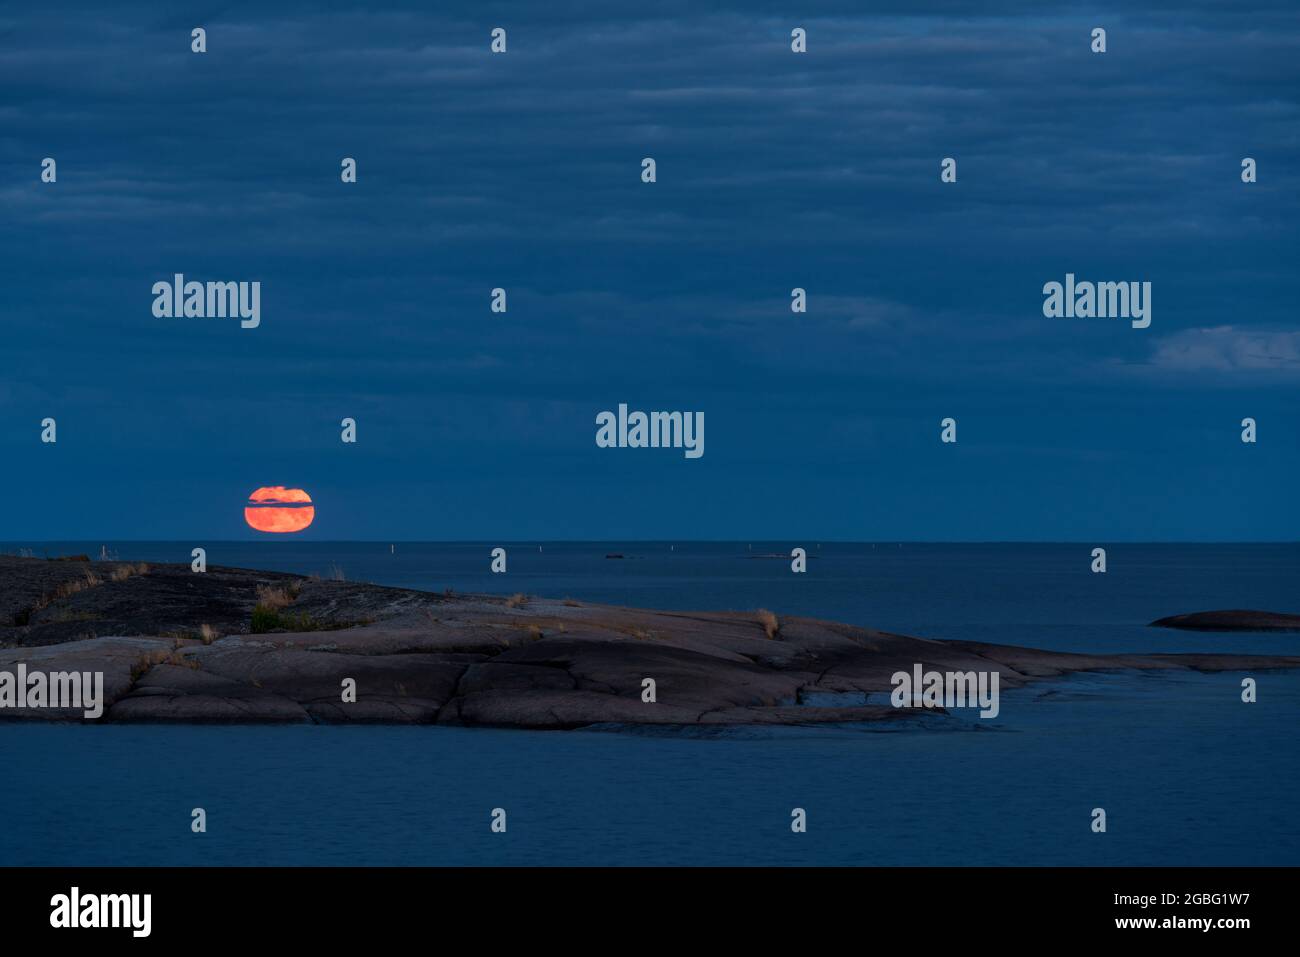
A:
(522, 171)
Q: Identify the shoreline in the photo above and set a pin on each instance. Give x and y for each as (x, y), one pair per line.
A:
(234, 646)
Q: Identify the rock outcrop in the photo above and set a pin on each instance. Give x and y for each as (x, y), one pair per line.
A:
(1231, 620)
(178, 646)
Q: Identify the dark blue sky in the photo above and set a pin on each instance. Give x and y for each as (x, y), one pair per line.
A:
(774, 170)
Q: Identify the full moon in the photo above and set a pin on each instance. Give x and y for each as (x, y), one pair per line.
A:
(275, 508)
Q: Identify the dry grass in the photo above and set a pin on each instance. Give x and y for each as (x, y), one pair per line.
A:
(67, 614)
(517, 600)
(88, 579)
(180, 661)
(64, 590)
(275, 597)
(122, 572)
(769, 622)
(147, 661)
(71, 587)
(531, 632)
(205, 633)
(336, 574)
(271, 600)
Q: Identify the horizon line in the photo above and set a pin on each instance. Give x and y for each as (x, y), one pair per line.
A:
(645, 541)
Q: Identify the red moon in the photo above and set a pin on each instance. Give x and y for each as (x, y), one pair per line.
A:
(275, 508)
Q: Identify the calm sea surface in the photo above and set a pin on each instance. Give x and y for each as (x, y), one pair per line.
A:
(1186, 772)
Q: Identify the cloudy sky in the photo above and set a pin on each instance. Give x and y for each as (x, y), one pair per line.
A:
(775, 170)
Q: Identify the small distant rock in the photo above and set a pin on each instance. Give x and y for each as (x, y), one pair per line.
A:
(1231, 620)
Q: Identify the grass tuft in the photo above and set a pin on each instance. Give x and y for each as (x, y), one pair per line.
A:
(274, 597)
(121, 573)
(180, 661)
(146, 661)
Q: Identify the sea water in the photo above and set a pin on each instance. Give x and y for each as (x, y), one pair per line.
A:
(1187, 773)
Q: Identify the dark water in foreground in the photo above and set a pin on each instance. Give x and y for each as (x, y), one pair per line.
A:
(1186, 772)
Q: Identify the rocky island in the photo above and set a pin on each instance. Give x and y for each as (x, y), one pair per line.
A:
(1231, 620)
(233, 645)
